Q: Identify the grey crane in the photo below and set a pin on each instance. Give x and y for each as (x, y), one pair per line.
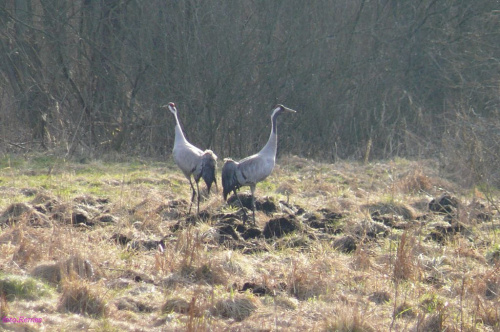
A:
(253, 169)
(192, 161)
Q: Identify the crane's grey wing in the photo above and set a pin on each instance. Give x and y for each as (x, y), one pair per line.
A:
(229, 177)
(188, 158)
(254, 169)
(208, 167)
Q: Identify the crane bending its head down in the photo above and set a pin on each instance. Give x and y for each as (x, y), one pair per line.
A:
(253, 169)
(193, 161)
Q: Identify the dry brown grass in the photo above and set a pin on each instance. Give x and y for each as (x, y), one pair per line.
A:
(405, 266)
(387, 262)
(237, 308)
(80, 297)
(348, 319)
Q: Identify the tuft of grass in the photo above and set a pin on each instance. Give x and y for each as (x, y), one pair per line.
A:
(349, 319)
(80, 297)
(237, 308)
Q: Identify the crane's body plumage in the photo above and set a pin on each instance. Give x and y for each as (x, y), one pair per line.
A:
(255, 168)
(192, 161)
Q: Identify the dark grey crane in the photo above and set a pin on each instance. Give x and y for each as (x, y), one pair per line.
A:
(251, 170)
(192, 161)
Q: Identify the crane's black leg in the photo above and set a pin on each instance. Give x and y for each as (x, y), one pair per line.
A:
(252, 189)
(216, 187)
(198, 188)
(192, 196)
(245, 217)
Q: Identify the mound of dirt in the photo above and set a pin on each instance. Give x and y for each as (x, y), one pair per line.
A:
(226, 233)
(368, 230)
(324, 220)
(442, 231)
(279, 227)
(444, 204)
(265, 204)
(257, 289)
(345, 244)
(403, 211)
(18, 212)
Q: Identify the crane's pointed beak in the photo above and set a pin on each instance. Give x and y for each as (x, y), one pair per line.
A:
(289, 110)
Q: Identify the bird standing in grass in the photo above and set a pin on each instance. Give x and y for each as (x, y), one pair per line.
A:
(192, 161)
(251, 170)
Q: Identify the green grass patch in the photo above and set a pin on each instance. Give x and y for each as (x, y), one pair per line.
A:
(19, 287)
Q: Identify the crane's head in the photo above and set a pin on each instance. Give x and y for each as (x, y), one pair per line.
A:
(171, 107)
(279, 109)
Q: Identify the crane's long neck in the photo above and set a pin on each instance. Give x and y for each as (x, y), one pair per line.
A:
(272, 144)
(179, 135)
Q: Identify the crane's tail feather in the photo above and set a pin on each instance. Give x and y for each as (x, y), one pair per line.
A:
(229, 179)
(208, 168)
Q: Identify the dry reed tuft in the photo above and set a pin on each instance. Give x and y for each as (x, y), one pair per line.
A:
(415, 181)
(348, 319)
(80, 297)
(405, 265)
(311, 278)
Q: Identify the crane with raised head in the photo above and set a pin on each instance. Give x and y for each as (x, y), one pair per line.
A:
(192, 161)
(253, 169)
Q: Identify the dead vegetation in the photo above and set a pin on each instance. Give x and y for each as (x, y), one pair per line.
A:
(342, 247)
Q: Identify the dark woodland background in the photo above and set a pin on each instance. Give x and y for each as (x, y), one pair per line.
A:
(370, 79)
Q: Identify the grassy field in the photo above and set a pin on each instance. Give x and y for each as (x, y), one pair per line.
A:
(108, 246)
